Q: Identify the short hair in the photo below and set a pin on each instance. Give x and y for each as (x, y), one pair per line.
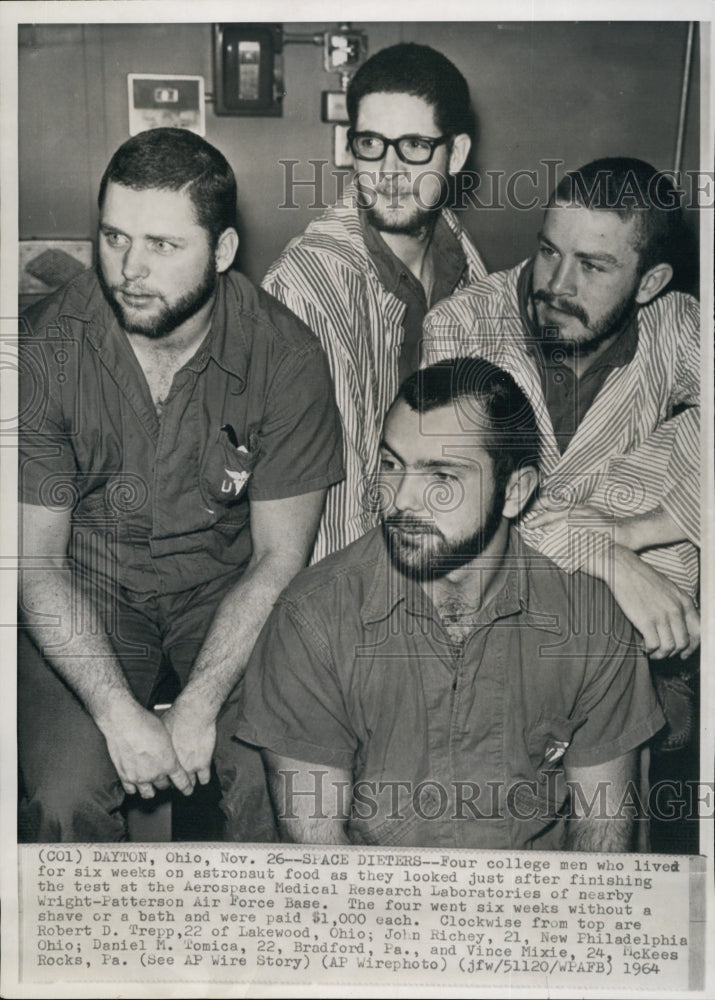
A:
(633, 189)
(478, 389)
(421, 71)
(174, 159)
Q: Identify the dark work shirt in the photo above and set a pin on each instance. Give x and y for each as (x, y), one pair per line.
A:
(162, 505)
(354, 670)
(449, 263)
(567, 396)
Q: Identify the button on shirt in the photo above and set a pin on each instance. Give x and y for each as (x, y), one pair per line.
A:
(449, 265)
(162, 505)
(568, 397)
(449, 745)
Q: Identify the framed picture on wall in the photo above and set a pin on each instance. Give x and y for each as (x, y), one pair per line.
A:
(45, 265)
(157, 101)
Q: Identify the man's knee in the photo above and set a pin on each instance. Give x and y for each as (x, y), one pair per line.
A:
(72, 813)
(245, 800)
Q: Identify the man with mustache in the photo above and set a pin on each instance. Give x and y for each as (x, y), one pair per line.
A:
(435, 682)
(610, 361)
(178, 433)
(364, 274)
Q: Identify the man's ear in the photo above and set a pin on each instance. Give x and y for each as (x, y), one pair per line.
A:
(653, 281)
(461, 144)
(522, 483)
(226, 248)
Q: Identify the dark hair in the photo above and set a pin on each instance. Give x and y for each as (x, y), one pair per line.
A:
(171, 159)
(633, 189)
(478, 389)
(421, 71)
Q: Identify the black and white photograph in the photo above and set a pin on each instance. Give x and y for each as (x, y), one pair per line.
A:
(354, 489)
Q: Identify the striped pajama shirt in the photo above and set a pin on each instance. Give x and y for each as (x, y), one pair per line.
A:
(630, 453)
(327, 278)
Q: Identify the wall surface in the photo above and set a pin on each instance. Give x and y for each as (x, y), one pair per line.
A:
(542, 91)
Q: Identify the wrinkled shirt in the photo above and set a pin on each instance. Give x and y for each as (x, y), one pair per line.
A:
(449, 744)
(162, 505)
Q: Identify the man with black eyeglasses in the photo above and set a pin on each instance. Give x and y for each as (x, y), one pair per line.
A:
(364, 274)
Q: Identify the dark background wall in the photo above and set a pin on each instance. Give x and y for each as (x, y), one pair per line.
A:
(542, 91)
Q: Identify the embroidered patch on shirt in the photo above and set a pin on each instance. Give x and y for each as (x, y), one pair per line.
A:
(235, 483)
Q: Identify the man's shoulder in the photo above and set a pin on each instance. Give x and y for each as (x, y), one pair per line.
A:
(573, 603)
(325, 584)
(80, 299)
(487, 298)
(261, 313)
(666, 311)
(333, 238)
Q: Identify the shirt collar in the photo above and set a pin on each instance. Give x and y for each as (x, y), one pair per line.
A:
(390, 588)
(389, 266)
(620, 353)
(226, 340)
(448, 255)
(350, 217)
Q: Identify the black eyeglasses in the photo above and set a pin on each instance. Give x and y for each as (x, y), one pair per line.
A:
(409, 148)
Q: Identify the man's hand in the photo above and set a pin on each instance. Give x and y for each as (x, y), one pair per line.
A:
(142, 751)
(664, 615)
(282, 532)
(193, 735)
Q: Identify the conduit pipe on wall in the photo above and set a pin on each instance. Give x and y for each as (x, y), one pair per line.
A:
(684, 90)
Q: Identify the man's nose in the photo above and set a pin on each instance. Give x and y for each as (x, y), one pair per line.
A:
(563, 278)
(408, 493)
(135, 264)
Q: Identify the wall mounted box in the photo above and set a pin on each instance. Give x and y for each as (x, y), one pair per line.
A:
(333, 107)
(248, 69)
(158, 100)
(343, 49)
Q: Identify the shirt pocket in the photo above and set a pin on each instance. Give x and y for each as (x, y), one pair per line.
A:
(225, 471)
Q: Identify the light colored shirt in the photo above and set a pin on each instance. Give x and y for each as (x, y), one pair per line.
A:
(327, 277)
(629, 453)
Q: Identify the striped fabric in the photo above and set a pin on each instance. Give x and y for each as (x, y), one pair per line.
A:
(327, 278)
(629, 453)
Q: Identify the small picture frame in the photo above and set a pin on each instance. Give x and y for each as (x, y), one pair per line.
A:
(157, 101)
(46, 265)
(333, 107)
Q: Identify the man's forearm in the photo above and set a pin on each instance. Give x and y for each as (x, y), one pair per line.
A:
(233, 632)
(601, 813)
(313, 831)
(646, 531)
(137, 742)
(600, 834)
(85, 660)
(52, 595)
(311, 801)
